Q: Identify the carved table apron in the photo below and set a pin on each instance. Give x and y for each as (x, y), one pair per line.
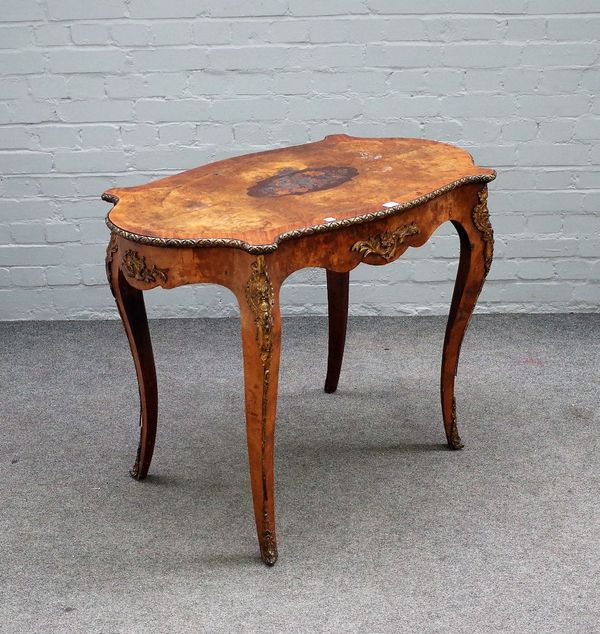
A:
(248, 222)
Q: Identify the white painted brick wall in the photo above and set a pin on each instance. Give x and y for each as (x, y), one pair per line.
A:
(114, 93)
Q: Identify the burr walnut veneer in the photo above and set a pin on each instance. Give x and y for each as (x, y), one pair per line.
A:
(248, 222)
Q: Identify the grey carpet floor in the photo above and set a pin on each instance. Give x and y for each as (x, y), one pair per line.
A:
(381, 528)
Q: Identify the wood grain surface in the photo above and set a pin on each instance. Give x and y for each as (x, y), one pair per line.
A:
(257, 198)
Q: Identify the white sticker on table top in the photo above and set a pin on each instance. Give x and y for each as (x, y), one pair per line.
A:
(329, 219)
(390, 204)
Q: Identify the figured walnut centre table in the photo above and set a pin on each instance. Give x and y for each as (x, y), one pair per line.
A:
(249, 222)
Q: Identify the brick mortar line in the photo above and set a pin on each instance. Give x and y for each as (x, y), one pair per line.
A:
(287, 17)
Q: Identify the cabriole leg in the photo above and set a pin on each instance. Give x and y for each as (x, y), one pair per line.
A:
(261, 341)
(130, 302)
(337, 299)
(476, 250)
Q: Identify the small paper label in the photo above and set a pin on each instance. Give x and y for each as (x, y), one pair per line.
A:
(390, 204)
(329, 219)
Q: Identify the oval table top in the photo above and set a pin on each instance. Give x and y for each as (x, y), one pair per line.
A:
(255, 201)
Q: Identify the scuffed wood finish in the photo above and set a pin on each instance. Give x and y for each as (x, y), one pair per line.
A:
(249, 187)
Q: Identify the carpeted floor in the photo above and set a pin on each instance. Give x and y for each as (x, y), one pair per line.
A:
(381, 528)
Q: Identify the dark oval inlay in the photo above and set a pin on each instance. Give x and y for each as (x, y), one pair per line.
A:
(290, 181)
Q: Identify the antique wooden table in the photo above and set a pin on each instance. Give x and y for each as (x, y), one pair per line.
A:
(249, 222)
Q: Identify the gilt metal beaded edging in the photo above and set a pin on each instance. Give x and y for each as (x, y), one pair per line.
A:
(258, 249)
